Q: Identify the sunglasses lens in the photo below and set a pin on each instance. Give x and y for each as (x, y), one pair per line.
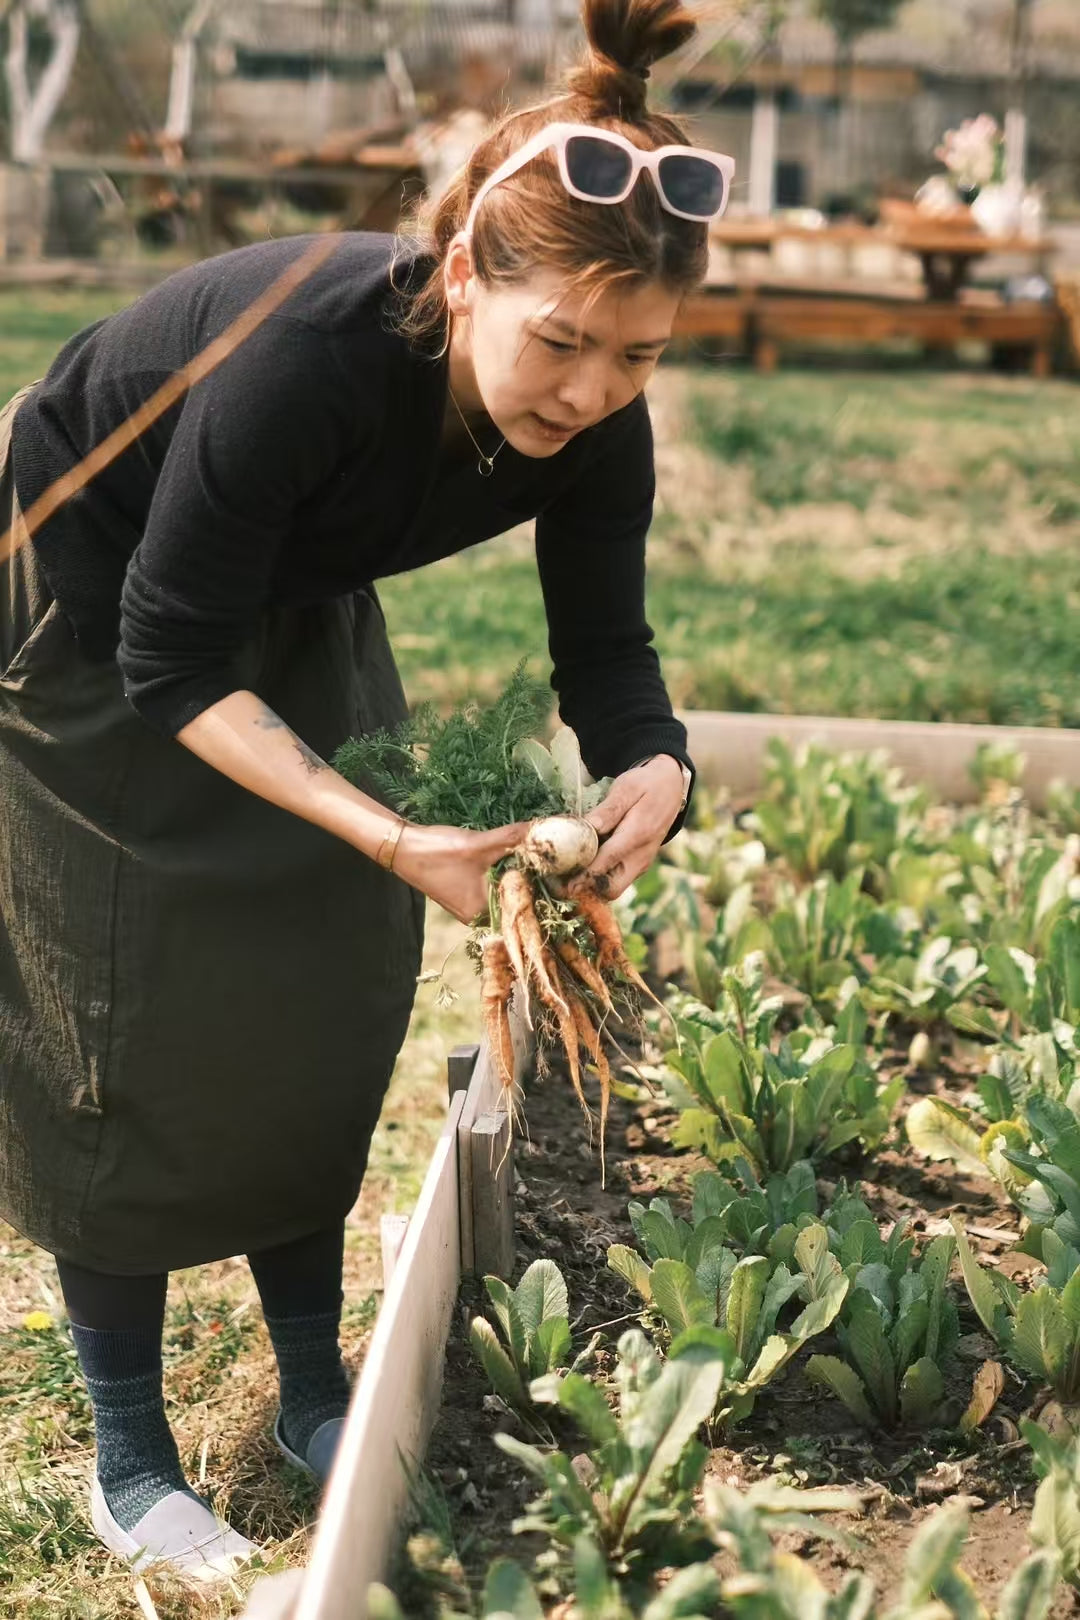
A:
(598, 168)
(692, 185)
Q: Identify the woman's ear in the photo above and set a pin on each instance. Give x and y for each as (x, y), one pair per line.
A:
(458, 275)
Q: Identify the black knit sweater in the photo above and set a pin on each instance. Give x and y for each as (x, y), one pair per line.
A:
(307, 466)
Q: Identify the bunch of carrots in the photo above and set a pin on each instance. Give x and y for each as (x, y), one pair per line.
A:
(567, 954)
(555, 937)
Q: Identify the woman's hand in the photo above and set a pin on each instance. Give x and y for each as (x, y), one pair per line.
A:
(451, 866)
(640, 807)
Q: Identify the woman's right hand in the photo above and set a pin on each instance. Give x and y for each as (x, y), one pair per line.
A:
(450, 865)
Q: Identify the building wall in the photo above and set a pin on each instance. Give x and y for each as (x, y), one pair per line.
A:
(848, 148)
(251, 115)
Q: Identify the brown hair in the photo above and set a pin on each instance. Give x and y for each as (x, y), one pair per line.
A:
(531, 219)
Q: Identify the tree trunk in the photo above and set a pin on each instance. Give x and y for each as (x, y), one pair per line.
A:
(33, 109)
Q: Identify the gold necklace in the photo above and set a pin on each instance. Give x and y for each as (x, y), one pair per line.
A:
(486, 465)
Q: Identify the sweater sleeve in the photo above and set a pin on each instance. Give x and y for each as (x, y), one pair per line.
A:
(590, 546)
(251, 441)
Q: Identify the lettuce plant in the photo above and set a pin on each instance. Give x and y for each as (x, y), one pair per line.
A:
(734, 1305)
(1039, 1331)
(736, 1210)
(934, 1587)
(926, 987)
(814, 933)
(1055, 1516)
(829, 812)
(508, 1594)
(634, 1497)
(774, 1108)
(897, 1330)
(534, 1321)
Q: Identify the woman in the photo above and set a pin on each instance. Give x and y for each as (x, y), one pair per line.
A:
(208, 954)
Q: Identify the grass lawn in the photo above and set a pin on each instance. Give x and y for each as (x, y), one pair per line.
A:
(900, 543)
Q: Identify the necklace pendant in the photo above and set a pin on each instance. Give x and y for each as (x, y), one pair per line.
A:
(486, 466)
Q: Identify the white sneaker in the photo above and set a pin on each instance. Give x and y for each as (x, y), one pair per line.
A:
(318, 1459)
(179, 1532)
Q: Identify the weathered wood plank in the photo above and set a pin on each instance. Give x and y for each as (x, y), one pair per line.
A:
(730, 749)
(395, 1403)
(492, 1153)
(485, 1096)
(393, 1230)
(459, 1067)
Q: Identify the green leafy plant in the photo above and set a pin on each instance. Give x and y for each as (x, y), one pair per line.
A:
(743, 1523)
(832, 812)
(741, 1213)
(1046, 1172)
(814, 931)
(780, 1586)
(897, 1330)
(734, 1305)
(926, 987)
(633, 1498)
(774, 1108)
(1039, 1331)
(508, 1594)
(1055, 1515)
(942, 1131)
(690, 1593)
(462, 769)
(534, 1321)
(934, 1586)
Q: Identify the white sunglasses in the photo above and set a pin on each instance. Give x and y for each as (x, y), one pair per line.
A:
(600, 165)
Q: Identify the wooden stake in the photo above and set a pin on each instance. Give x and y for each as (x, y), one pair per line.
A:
(493, 1195)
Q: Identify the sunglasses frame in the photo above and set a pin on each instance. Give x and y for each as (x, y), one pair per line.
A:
(557, 137)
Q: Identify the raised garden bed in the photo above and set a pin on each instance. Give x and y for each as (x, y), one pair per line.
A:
(847, 956)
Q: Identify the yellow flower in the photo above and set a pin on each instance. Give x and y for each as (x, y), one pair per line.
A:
(37, 1321)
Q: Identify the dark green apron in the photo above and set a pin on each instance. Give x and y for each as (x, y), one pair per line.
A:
(201, 996)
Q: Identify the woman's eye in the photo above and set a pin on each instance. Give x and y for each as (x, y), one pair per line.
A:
(559, 348)
(639, 359)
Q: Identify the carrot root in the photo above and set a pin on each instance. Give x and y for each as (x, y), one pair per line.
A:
(586, 972)
(519, 915)
(611, 952)
(496, 988)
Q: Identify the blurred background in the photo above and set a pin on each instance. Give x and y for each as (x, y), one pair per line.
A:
(868, 450)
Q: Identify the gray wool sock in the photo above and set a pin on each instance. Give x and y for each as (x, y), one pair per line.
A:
(137, 1460)
(314, 1383)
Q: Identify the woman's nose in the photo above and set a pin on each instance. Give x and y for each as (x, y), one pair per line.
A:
(584, 390)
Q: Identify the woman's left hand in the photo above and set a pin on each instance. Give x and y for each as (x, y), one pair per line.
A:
(640, 807)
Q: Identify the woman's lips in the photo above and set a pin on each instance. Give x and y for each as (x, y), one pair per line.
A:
(551, 430)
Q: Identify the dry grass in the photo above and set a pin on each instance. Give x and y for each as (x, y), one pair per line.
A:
(220, 1380)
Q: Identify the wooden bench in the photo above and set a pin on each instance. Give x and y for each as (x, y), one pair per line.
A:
(724, 316)
(762, 322)
(1028, 329)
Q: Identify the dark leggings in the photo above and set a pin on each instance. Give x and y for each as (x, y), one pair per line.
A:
(302, 1278)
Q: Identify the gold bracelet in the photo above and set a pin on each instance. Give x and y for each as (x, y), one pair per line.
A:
(388, 847)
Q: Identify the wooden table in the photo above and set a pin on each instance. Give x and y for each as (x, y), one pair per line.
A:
(947, 255)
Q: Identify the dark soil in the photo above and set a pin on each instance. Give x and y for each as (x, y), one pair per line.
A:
(796, 1431)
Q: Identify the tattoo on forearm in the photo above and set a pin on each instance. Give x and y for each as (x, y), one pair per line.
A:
(310, 758)
(267, 720)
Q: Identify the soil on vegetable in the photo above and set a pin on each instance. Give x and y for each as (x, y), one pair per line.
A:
(797, 1432)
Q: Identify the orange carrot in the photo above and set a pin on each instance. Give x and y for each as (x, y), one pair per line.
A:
(568, 1033)
(519, 919)
(588, 973)
(496, 988)
(591, 1040)
(611, 953)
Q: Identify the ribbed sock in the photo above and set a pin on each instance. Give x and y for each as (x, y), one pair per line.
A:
(137, 1460)
(314, 1383)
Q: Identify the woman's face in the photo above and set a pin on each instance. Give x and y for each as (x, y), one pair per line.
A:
(545, 363)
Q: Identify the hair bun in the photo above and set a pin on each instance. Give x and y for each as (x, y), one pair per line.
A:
(625, 37)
